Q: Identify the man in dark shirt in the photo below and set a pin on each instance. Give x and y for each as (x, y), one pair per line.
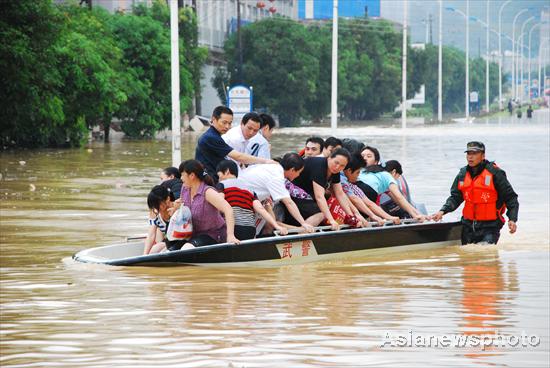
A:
(487, 193)
(212, 149)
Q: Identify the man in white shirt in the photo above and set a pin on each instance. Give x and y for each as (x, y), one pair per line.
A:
(239, 136)
(259, 144)
(268, 181)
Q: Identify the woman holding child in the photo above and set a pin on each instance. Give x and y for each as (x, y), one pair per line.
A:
(205, 203)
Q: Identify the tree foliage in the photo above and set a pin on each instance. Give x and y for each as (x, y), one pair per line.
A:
(67, 68)
(289, 66)
(453, 82)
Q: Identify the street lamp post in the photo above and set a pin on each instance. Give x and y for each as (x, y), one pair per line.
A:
(487, 60)
(404, 67)
(529, 67)
(440, 65)
(467, 68)
(500, 56)
(543, 80)
(467, 104)
(520, 91)
(334, 74)
(514, 76)
(488, 29)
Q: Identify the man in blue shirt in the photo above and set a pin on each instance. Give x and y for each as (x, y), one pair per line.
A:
(212, 149)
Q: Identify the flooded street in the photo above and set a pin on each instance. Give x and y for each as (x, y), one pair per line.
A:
(379, 311)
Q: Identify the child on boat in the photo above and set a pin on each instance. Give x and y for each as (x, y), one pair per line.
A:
(243, 201)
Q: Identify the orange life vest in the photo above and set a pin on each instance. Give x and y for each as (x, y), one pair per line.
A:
(480, 197)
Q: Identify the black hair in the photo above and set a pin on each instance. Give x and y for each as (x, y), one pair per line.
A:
(156, 196)
(355, 163)
(332, 142)
(251, 116)
(291, 160)
(219, 110)
(195, 167)
(267, 120)
(374, 151)
(393, 165)
(352, 145)
(172, 171)
(230, 165)
(341, 152)
(317, 140)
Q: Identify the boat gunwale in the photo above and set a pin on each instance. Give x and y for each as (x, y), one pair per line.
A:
(83, 257)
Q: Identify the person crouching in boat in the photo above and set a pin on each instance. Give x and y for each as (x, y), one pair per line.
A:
(206, 204)
(243, 201)
(348, 178)
(319, 174)
(161, 209)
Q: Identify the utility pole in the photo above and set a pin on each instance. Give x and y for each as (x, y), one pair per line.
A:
(430, 19)
(239, 41)
(334, 72)
(404, 68)
(487, 100)
(467, 81)
(440, 65)
(175, 83)
(198, 97)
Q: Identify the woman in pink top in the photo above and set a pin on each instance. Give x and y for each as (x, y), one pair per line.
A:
(206, 204)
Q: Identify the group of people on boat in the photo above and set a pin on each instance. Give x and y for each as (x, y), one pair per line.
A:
(233, 190)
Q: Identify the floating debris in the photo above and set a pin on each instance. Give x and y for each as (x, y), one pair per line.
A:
(32, 187)
(89, 150)
(22, 163)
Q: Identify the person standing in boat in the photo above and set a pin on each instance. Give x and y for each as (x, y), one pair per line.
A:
(486, 191)
(259, 145)
(238, 137)
(314, 147)
(211, 148)
(206, 204)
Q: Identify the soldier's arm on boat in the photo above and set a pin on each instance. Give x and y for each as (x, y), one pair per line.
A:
(295, 212)
(217, 200)
(249, 159)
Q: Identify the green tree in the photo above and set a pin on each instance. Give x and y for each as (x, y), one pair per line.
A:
(144, 38)
(31, 110)
(281, 64)
(425, 64)
(90, 64)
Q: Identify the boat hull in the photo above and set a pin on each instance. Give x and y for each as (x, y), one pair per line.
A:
(286, 250)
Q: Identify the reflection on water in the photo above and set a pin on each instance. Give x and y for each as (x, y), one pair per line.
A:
(55, 312)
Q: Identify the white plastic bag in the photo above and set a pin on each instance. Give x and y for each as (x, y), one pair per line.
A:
(180, 226)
